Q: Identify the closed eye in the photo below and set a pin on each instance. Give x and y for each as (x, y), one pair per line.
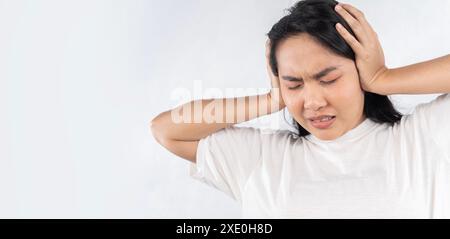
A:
(328, 82)
(322, 82)
(295, 87)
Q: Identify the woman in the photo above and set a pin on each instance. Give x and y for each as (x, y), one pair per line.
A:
(356, 156)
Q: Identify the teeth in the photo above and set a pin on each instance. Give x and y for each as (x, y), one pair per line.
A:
(325, 118)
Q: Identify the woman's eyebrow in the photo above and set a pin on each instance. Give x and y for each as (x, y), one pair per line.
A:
(316, 76)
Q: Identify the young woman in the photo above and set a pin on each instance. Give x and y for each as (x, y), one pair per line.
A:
(354, 155)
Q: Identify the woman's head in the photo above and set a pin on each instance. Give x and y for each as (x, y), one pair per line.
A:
(318, 75)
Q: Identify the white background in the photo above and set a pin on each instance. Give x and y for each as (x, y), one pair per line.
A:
(81, 80)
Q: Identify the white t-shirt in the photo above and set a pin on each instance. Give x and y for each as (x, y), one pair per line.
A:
(372, 171)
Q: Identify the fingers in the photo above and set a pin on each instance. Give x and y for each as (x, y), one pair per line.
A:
(268, 48)
(274, 79)
(358, 15)
(354, 44)
(353, 22)
(365, 35)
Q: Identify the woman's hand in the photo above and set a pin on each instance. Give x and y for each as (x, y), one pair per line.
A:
(274, 95)
(367, 48)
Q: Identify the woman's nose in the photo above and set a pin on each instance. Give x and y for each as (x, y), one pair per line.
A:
(314, 100)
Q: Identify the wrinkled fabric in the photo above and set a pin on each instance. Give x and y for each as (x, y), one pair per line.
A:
(372, 171)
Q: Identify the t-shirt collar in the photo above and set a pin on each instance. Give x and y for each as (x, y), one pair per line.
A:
(362, 129)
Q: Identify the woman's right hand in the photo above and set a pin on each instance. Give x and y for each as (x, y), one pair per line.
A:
(274, 95)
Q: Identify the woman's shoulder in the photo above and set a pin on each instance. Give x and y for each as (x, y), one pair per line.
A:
(438, 108)
(427, 120)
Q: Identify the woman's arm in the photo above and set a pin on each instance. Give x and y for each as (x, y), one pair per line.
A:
(427, 77)
(199, 118)
(180, 129)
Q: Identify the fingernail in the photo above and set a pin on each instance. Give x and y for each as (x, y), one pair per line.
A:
(338, 7)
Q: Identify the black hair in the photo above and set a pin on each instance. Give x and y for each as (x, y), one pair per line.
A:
(318, 19)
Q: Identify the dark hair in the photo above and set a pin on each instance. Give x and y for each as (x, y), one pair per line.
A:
(318, 19)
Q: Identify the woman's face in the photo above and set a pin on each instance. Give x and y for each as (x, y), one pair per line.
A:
(316, 82)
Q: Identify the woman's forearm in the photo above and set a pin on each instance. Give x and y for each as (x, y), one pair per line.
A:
(199, 118)
(428, 77)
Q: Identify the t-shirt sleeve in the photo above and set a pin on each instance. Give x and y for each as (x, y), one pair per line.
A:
(226, 158)
(433, 119)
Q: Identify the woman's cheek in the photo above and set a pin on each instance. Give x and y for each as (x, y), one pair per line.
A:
(290, 97)
(295, 105)
(341, 90)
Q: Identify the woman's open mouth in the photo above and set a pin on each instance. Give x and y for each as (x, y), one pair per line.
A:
(323, 122)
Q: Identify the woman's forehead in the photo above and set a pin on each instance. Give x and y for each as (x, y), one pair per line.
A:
(312, 68)
(304, 53)
(302, 44)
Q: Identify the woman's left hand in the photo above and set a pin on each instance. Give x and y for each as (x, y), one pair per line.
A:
(368, 52)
